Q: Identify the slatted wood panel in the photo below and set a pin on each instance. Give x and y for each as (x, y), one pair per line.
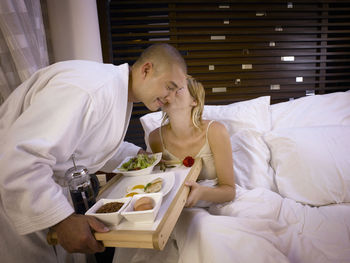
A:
(238, 49)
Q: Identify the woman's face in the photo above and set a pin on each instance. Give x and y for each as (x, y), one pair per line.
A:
(182, 100)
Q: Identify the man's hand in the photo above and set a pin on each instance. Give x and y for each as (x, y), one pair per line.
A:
(75, 234)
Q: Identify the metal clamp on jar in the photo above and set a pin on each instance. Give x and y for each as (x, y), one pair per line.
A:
(83, 187)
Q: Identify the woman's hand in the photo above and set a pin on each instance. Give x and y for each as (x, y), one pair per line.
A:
(195, 194)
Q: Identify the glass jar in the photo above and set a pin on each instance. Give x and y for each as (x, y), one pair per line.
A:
(83, 188)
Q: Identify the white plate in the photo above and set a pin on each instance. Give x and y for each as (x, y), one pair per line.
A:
(144, 171)
(168, 182)
(121, 188)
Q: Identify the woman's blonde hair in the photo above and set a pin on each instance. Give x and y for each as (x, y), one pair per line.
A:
(197, 92)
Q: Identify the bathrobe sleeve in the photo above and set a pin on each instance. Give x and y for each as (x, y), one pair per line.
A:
(46, 133)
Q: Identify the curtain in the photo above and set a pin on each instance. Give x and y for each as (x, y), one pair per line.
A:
(23, 48)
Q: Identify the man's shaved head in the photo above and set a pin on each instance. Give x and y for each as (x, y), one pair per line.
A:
(162, 56)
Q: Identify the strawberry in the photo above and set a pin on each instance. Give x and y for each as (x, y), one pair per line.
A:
(188, 161)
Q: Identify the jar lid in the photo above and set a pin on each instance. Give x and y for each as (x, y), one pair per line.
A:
(74, 171)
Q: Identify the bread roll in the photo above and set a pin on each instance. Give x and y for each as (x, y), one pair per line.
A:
(143, 203)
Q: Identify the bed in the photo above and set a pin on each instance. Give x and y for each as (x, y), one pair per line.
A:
(292, 173)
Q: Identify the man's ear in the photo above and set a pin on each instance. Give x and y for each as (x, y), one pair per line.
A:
(146, 69)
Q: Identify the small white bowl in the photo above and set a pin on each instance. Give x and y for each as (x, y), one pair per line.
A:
(144, 171)
(108, 218)
(146, 215)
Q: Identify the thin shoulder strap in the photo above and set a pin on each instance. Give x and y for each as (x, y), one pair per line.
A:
(161, 137)
(206, 135)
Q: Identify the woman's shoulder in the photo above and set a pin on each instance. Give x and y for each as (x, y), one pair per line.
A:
(216, 129)
(213, 124)
(154, 140)
(154, 135)
(157, 131)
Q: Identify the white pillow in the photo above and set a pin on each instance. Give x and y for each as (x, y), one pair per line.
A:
(251, 114)
(251, 158)
(312, 164)
(317, 110)
(246, 121)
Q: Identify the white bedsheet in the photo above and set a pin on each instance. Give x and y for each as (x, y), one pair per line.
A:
(259, 226)
(302, 233)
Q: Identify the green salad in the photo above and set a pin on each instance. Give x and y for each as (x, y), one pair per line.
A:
(139, 162)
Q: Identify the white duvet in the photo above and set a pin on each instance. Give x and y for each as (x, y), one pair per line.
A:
(292, 164)
(259, 226)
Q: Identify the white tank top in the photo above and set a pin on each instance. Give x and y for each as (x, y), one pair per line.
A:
(208, 169)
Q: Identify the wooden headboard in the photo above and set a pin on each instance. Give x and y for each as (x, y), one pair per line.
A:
(239, 50)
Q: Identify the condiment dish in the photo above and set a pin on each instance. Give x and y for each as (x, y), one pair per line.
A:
(108, 218)
(143, 216)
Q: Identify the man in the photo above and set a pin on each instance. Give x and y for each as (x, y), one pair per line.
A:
(70, 107)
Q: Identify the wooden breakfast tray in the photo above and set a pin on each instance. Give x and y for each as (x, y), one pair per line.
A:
(154, 235)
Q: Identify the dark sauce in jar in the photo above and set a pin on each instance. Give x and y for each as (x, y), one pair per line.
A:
(82, 199)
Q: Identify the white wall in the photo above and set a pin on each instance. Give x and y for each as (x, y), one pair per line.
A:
(74, 30)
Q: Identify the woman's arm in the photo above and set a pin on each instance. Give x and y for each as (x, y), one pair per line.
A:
(220, 145)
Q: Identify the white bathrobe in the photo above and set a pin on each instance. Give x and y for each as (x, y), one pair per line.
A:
(70, 107)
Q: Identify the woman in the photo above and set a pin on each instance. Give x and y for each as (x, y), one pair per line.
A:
(184, 133)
